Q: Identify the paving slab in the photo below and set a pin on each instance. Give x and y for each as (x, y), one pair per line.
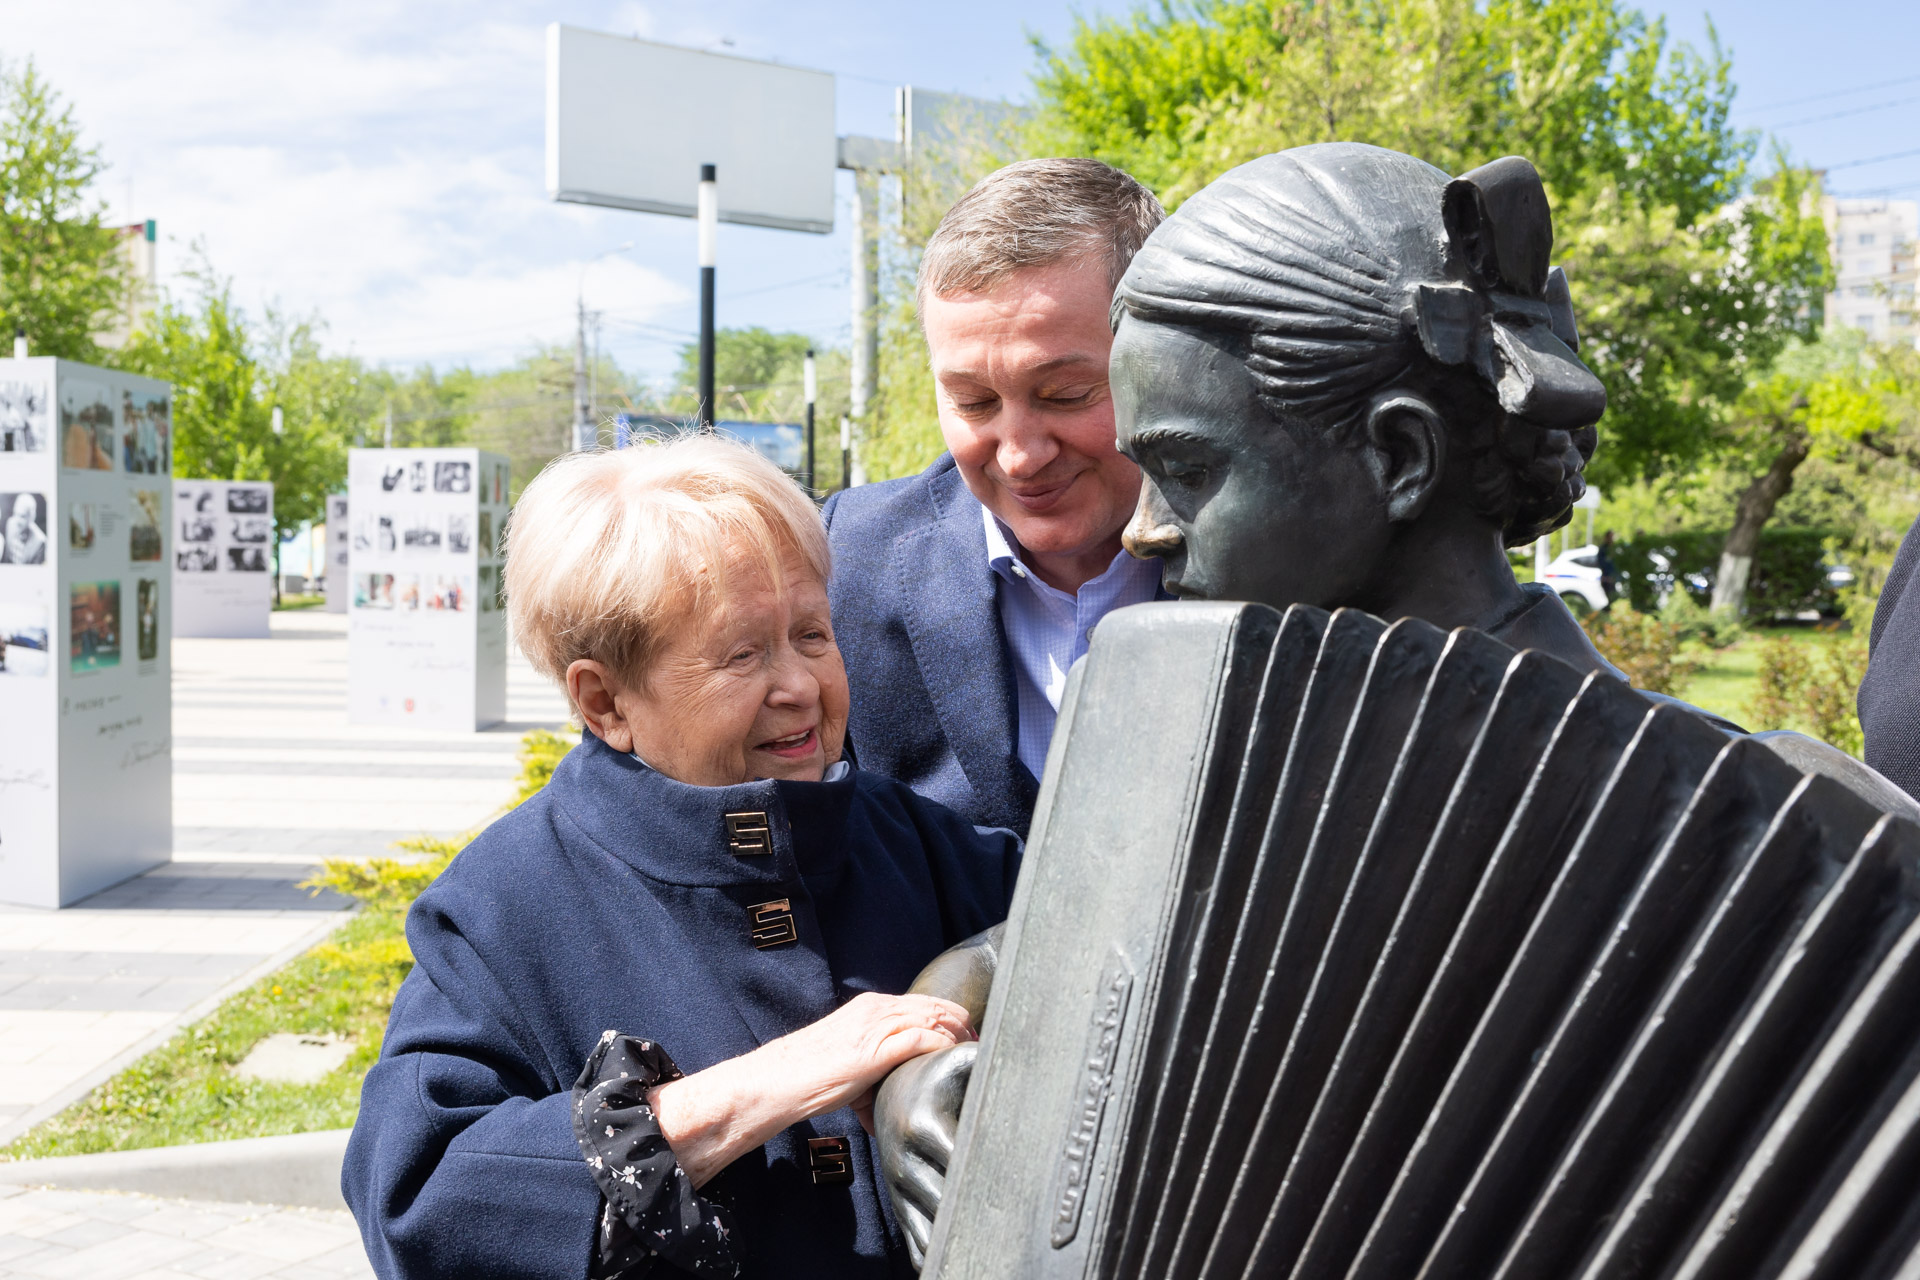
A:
(269, 779)
(86, 1235)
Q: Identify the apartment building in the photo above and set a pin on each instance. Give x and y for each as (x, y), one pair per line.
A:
(1873, 244)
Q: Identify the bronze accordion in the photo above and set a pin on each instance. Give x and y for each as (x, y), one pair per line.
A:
(1347, 951)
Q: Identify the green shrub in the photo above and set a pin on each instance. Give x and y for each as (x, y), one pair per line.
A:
(1644, 645)
(540, 751)
(1811, 687)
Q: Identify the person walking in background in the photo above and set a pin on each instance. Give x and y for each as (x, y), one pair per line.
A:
(1609, 571)
(963, 594)
(1889, 699)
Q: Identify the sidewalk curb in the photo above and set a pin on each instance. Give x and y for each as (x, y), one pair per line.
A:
(86, 1084)
(301, 1169)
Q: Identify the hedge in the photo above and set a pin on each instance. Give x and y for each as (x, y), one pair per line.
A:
(1789, 569)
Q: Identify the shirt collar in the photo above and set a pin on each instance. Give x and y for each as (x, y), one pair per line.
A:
(1003, 561)
(835, 771)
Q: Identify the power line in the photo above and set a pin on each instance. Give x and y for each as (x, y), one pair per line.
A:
(1837, 93)
(1851, 111)
(1855, 164)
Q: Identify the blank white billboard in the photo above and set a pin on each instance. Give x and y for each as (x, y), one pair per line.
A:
(630, 122)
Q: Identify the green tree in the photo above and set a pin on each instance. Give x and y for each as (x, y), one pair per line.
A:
(1685, 293)
(62, 278)
(227, 382)
(1823, 399)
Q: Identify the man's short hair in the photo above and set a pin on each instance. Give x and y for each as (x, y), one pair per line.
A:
(609, 551)
(1033, 214)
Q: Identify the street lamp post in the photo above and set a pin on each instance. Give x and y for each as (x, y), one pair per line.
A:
(708, 209)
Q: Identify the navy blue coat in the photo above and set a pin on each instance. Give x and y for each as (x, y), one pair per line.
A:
(611, 901)
(1890, 695)
(916, 617)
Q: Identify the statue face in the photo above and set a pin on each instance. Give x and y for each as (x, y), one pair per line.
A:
(1238, 505)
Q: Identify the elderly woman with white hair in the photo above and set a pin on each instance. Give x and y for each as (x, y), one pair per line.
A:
(650, 1005)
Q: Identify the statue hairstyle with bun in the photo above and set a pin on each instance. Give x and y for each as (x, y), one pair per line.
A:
(1346, 271)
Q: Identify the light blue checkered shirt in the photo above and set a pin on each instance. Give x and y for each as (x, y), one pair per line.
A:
(1047, 630)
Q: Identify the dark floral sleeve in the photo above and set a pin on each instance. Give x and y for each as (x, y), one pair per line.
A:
(652, 1213)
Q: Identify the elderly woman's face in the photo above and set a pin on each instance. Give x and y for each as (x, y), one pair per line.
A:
(755, 689)
(1237, 506)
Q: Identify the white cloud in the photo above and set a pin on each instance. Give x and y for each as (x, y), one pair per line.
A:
(376, 164)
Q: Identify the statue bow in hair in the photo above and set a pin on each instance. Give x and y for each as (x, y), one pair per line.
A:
(1510, 318)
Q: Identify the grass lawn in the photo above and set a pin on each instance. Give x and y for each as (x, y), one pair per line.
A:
(301, 602)
(186, 1090)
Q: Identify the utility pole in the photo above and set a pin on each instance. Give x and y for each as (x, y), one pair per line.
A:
(846, 453)
(593, 379)
(811, 382)
(708, 209)
(866, 288)
(582, 424)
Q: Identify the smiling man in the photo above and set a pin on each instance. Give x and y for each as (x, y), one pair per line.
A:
(962, 595)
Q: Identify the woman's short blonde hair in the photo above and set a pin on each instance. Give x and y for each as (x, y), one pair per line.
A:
(608, 550)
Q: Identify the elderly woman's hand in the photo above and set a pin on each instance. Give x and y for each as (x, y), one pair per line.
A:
(712, 1117)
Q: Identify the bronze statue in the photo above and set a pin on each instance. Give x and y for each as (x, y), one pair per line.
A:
(1350, 382)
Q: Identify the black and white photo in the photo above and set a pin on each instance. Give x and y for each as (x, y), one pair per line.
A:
(254, 500)
(25, 417)
(247, 559)
(23, 528)
(453, 477)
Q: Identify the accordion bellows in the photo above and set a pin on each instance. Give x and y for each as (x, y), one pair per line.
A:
(1353, 951)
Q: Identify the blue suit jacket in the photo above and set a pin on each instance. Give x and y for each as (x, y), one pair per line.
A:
(916, 616)
(611, 901)
(1889, 698)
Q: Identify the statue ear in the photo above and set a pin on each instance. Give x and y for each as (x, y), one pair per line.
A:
(1407, 454)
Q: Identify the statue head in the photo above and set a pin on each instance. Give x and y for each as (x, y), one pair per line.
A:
(1335, 357)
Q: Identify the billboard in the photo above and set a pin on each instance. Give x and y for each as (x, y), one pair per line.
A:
(630, 122)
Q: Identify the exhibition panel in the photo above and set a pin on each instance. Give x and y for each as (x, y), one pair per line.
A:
(223, 558)
(86, 771)
(427, 640)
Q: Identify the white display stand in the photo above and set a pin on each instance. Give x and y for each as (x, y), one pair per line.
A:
(86, 700)
(336, 568)
(223, 558)
(426, 639)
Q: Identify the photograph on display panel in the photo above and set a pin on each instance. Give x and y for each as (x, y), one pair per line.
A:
(148, 619)
(80, 526)
(144, 538)
(198, 528)
(247, 559)
(143, 434)
(252, 500)
(486, 533)
(446, 593)
(96, 625)
(203, 559)
(453, 477)
(86, 426)
(422, 534)
(23, 528)
(373, 591)
(250, 529)
(23, 639)
(459, 540)
(26, 416)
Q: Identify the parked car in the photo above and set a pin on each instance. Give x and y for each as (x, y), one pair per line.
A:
(1575, 575)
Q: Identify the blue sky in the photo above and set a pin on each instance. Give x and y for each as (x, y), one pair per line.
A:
(379, 164)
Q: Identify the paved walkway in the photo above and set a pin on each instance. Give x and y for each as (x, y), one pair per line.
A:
(268, 779)
(85, 1235)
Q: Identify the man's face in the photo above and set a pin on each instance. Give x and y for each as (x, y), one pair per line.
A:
(1020, 376)
(1236, 505)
